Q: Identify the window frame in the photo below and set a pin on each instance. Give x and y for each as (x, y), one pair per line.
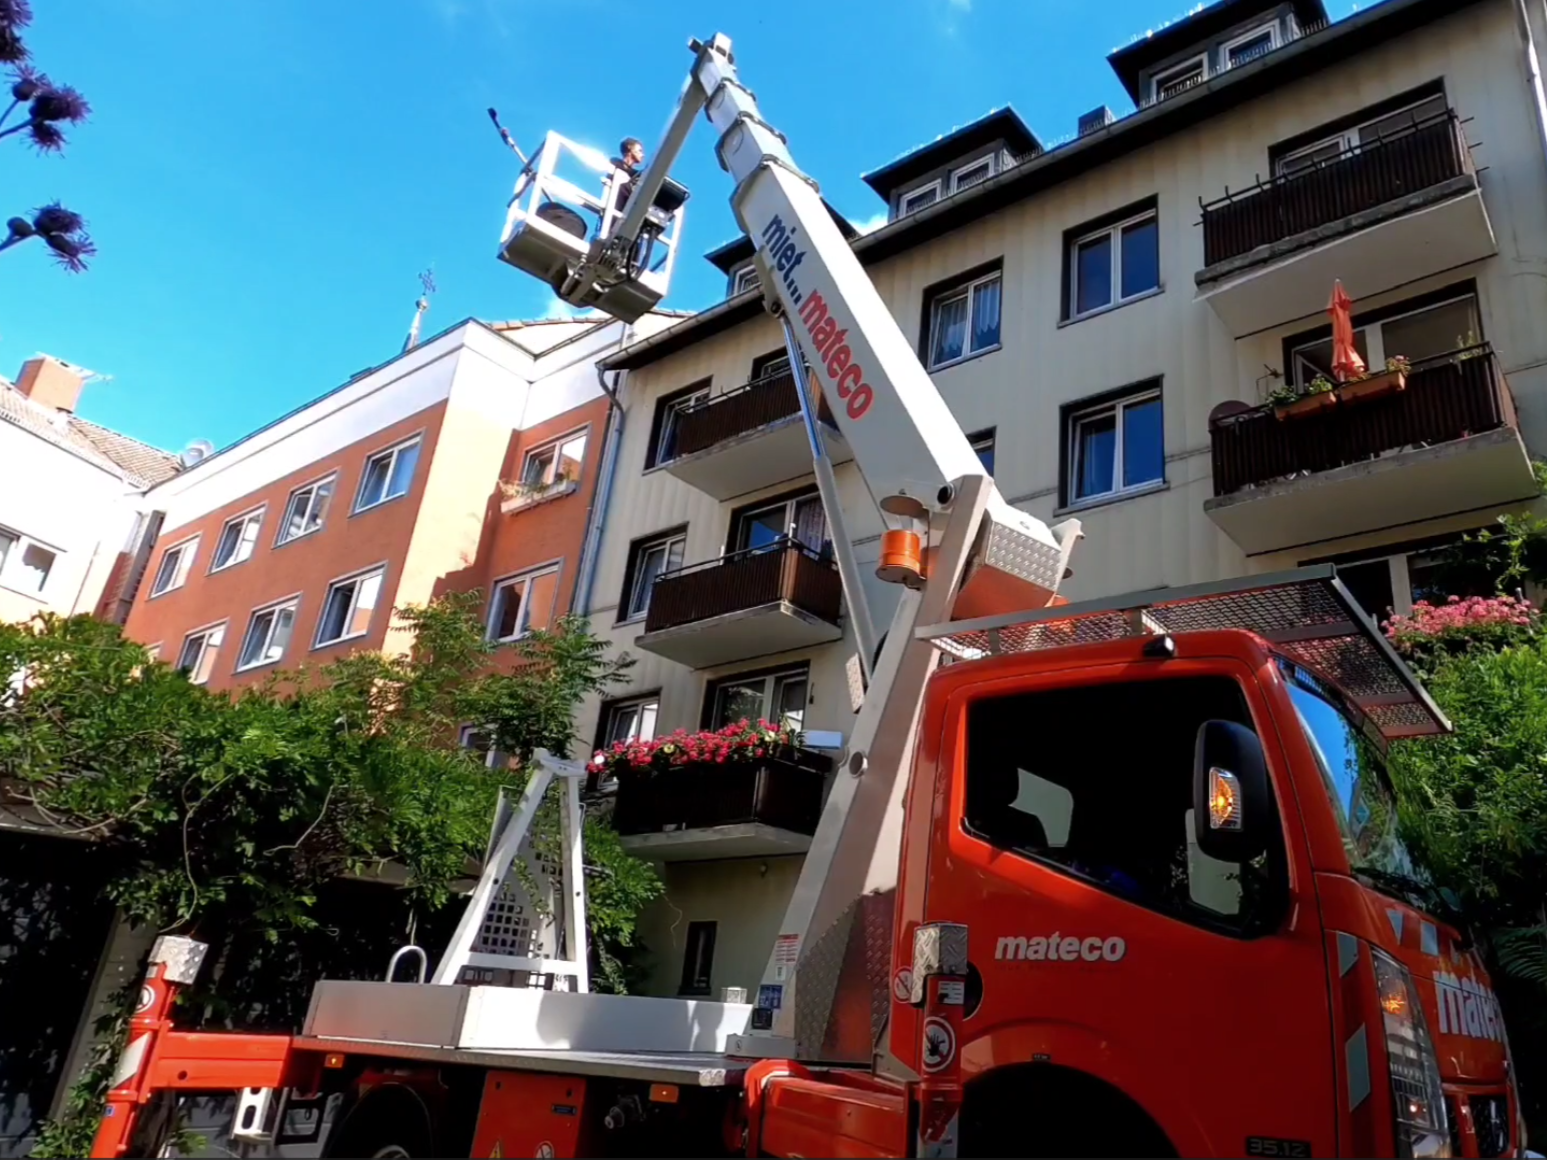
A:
(770, 678)
(1113, 230)
(707, 931)
(636, 552)
(292, 602)
(205, 631)
(527, 575)
(1200, 61)
(1274, 43)
(491, 755)
(986, 436)
(1345, 129)
(181, 572)
(355, 578)
(1377, 317)
(674, 401)
(14, 558)
(1085, 409)
(968, 282)
(790, 501)
(393, 450)
(241, 517)
(988, 159)
(555, 446)
(905, 201)
(280, 539)
(741, 284)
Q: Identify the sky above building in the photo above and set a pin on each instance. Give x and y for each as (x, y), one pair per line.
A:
(265, 180)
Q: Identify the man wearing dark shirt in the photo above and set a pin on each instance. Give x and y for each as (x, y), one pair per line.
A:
(633, 156)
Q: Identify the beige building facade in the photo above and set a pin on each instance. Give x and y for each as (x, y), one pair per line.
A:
(1112, 321)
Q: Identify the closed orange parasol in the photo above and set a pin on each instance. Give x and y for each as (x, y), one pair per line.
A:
(1346, 363)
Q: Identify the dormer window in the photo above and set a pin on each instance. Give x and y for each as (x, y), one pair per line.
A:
(1181, 78)
(974, 173)
(917, 199)
(1249, 46)
(746, 279)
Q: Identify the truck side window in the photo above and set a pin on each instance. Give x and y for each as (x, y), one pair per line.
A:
(1097, 781)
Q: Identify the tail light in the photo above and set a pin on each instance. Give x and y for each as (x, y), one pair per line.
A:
(1418, 1104)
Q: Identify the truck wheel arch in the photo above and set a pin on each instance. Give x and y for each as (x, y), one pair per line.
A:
(389, 1115)
(1042, 1109)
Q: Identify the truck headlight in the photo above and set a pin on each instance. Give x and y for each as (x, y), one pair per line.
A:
(1418, 1104)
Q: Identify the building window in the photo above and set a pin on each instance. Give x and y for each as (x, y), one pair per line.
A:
(668, 414)
(648, 559)
(236, 540)
(1389, 581)
(632, 720)
(1115, 446)
(767, 525)
(176, 561)
(478, 741)
(1180, 79)
(778, 696)
(305, 510)
(964, 321)
(983, 443)
(1250, 45)
(972, 174)
(387, 475)
(347, 611)
(25, 564)
(197, 656)
(557, 464)
(770, 365)
(1115, 263)
(1368, 131)
(1416, 333)
(268, 635)
(917, 199)
(521, 604)
(698, 959)
(746, 279)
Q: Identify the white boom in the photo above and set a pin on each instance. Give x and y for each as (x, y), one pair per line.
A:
(824, 993)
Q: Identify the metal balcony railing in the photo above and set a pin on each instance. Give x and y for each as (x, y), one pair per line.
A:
(1267, 49)
(785, 571)
(750, 406)
(1357, 179)
(781, 792)
(1448, 397)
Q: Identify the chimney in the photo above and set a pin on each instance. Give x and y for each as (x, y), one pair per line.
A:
(48, 381)
(1096, 119)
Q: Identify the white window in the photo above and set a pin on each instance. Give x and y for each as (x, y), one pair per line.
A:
(631, 720)
(917, 199)
(972, 174)
(346, 613)
(522, 603)
(268, 635)
(199, 651)
(555, 465)
(479, 741)
(176, 561)
(236, 540)
(305, 510)
(1116, 447)
(778, 697)
(964, 321)
(651, 559)
(387, 474)
(746, 279)
(1180, 79)
(669, 416)
(1114, 264)
(25, 564)
(1250, 45)
(1373, 131)
(1416, 335)
(983, 443)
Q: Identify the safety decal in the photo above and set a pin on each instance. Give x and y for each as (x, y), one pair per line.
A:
(939, 1044)
(902, 985)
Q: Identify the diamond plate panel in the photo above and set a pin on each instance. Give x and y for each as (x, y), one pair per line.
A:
(180, 958)
(817, 975)
(1020, 555)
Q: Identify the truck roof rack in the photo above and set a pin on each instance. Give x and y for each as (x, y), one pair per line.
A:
(1306, 614)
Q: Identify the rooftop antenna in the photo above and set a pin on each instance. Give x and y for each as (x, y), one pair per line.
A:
(427, 284)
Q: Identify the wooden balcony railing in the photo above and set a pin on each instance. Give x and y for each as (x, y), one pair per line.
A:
(1358, 179)
(776, 792)
(1448, 397)
(748, 407)
(786, 571)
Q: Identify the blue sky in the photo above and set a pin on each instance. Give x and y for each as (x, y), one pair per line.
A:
(265, 180)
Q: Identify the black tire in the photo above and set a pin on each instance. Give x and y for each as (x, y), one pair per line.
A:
(1048, 1111)
(389, 1122)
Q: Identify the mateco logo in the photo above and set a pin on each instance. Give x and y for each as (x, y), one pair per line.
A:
(1056, 948)
(834, 356)
(1467, 1008)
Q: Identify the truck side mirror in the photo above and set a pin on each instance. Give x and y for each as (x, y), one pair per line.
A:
(1232, 799)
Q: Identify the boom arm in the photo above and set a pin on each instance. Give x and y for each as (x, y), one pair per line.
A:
(826, 987)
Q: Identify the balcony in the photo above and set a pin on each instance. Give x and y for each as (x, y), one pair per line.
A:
(1377, 216)
(749, 438)
(722, 811)
(755, 603)
(1446, 444)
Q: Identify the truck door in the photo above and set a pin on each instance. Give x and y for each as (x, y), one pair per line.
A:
(1107, 945)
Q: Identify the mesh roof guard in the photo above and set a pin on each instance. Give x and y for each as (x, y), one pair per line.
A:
(1307, 615)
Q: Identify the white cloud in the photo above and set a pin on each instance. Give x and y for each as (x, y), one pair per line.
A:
(558, 310)
(871, 224)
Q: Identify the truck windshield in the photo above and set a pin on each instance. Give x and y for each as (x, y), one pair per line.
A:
(1356, 782)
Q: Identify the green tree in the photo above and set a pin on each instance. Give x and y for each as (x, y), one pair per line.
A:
(225, 816)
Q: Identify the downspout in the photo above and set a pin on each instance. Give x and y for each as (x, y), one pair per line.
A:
(1533, 70)
(601, 499)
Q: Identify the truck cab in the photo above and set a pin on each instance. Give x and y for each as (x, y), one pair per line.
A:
(1194, 928)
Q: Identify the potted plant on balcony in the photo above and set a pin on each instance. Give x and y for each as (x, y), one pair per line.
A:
(523, 493)
(1317, 396)
(743, 742)
(1374, 386)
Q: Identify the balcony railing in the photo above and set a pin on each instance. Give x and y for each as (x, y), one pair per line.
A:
(1358, 179)
(750, 406)
(783, 572)
(785, 794)
(1448, 397)
(1297, 33)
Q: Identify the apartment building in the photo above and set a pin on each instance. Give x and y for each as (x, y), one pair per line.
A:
(68, 493)
(468, 461)
(1111, 320)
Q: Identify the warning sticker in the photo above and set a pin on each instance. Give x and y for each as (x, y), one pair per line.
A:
(787, 949)
(902, 985)
(939, 1044)
(770, 996)
(953, 992)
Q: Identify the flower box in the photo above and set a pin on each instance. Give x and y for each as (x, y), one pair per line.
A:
(1374, 387)
(1306, 405)
(784, 793)
(520, 498)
